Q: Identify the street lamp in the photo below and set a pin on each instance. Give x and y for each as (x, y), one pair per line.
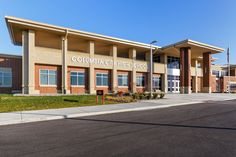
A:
(151, 63)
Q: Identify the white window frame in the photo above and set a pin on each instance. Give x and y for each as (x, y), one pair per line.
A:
(123, 78)
(155, 78)
(4, 71)
(77, 85)
(102, 73)
(47, 85)
(138, 78)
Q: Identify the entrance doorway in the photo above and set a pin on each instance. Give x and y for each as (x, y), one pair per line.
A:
(173, 84)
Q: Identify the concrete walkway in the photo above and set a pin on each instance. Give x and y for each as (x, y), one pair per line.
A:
(52, 114)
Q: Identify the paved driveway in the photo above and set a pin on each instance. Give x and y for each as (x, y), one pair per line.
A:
(194, 97)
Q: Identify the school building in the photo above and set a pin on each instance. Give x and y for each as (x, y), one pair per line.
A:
(62, 60)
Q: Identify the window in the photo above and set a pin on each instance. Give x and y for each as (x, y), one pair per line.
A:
(101, 79)
(157, 82)
(173, 62)
(122, 80)
(140, 81)
(77, 78)
(48, 77)
(5, 77)
(156, 58)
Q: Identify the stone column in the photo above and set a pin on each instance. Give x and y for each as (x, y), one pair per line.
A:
(132, 55)
(28, 63)
(92, 76)
(149, 71)
(207, 72)
(185, 70)
(196, 77)
(64, 66)
(113, 53)
(165, 75)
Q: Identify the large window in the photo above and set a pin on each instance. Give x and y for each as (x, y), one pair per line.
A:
(5, 77)
(173, 62)
(157, 82)
(48, 77)
(122, 80)
(77, 78)
(101, 79)
(140, 81)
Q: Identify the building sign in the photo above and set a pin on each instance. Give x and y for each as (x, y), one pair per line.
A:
(108, 62)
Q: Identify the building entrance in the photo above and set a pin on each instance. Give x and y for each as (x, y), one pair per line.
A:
(173, 84)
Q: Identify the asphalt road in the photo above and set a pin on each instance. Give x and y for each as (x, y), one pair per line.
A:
(194, 130)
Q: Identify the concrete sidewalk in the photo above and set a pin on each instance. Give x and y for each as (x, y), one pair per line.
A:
(52, 114)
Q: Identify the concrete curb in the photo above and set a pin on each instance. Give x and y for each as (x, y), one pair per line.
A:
(92, 113)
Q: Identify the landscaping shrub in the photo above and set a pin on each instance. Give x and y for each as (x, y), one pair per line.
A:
(123, 99)
(155, 95)
(162, 95)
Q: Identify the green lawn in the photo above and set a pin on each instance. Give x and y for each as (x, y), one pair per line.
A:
(10, 103)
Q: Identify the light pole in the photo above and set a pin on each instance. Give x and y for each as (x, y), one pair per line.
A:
(151, 63)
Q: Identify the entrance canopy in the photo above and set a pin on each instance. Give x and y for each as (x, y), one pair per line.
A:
(197, 48)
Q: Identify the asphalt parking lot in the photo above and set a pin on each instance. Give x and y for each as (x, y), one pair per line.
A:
(205, 129)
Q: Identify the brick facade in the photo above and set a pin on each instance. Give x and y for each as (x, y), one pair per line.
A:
(106, 89)
(44, 88)
(142, 89)
(77, 89)
(15, 63)
(128, 88)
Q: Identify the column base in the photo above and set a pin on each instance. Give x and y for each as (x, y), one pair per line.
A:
(92, 91)
(206, 89)
(185, 90)
(29, 90)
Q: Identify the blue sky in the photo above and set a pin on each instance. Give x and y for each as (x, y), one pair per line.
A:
(167, 21)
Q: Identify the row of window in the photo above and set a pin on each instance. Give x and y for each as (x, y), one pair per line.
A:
(49, 77)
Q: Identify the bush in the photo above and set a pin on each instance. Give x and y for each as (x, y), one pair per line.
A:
(135, 96)
(162, 95)
(155, 95)
(123, 99)
(141, 96)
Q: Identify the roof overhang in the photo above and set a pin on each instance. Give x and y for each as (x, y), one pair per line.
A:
(194, 44)
(17, 24)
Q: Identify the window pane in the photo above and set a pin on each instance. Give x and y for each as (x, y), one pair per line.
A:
(119, 81)
(73, 80)
(52, 79)
(7, 81)
(98, 81)
(52, 72)
(43, 71)
(43, 79)
(81, 79)
(105, 81)
(73, 73)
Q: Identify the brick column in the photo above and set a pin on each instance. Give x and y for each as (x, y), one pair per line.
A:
(207, 72)
(92, 76)
(132, 55)
(113, 53)
(185, 71)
